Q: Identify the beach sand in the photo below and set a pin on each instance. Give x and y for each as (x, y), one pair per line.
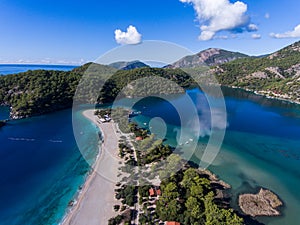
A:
(95, 203)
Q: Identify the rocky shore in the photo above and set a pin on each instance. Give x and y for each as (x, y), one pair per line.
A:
(264, 203)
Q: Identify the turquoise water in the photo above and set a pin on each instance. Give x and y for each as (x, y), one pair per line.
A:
(4, 113)
(260, 149)
(41, 167)
(18, 68)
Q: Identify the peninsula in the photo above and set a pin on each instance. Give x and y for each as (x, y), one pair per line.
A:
(121, 196)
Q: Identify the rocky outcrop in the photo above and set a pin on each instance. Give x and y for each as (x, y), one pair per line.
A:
(209, 57)
(265, 203)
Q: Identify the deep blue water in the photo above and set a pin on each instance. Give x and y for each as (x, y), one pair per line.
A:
(18, 68)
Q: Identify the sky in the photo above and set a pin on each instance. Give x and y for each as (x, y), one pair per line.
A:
(75, 32)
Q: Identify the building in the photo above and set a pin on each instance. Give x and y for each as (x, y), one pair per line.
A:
(172, 223)
(154, 192)
(151, 192)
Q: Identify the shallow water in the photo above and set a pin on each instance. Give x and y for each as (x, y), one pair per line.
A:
(41, 167)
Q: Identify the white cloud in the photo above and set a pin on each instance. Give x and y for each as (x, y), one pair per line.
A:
(130, 37)
(267, 15)
(252, 27)
(219, 15)
(222, 37)
(289, 34)
(256, 36)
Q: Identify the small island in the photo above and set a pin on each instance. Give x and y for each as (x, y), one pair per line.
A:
(264, 203)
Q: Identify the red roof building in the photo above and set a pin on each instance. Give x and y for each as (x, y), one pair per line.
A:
(151, 192)
(158, 192)
(172, 223)
(138, 138)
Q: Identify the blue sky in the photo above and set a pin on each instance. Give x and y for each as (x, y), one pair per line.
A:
(52, 31)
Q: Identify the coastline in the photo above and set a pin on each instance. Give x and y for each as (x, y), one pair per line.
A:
(94, 202)
(265, 94)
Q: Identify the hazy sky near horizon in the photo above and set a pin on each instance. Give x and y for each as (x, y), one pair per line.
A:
(74, 32)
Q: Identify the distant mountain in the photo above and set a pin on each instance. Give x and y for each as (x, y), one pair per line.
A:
(128, 65)
(276, 75)
(209, 57)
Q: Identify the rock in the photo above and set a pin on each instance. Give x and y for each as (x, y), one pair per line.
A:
(265, 203)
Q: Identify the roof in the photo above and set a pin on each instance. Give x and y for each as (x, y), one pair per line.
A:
(172, 223)
(158, 192)
(139, 138)
(151, 192)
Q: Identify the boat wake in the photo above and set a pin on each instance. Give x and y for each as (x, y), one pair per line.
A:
(56, 141)
(21, 139)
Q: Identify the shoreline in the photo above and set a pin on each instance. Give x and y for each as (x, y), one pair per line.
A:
(98, 188)
(265, 95)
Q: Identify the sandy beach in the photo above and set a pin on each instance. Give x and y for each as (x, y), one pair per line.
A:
(94, 205)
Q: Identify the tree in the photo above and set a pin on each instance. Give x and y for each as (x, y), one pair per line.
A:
(216, 216)
(188, 178)
(194, 208)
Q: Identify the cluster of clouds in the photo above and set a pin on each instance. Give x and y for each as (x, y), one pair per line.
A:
(129, 37)
(214, 16)
(289, 34)
(221, 15)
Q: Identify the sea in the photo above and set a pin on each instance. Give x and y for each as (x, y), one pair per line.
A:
(18, 68)
(42, 169)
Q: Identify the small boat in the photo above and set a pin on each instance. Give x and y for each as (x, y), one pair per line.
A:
(191, 139)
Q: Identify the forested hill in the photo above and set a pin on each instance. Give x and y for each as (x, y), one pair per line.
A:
(37, 92)
(276, 75)
(40, 91)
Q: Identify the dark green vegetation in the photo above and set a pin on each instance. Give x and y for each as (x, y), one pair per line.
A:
(38, 92)
(128, 194)
(128, 65)
(156, 81)
(188, 198)
(276, 75)
(151, 150)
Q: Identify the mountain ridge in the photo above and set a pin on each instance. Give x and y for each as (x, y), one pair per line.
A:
(123, 65)
(276, 75)
(208, 57)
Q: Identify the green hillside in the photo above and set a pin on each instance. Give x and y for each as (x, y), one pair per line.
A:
(275, 75)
